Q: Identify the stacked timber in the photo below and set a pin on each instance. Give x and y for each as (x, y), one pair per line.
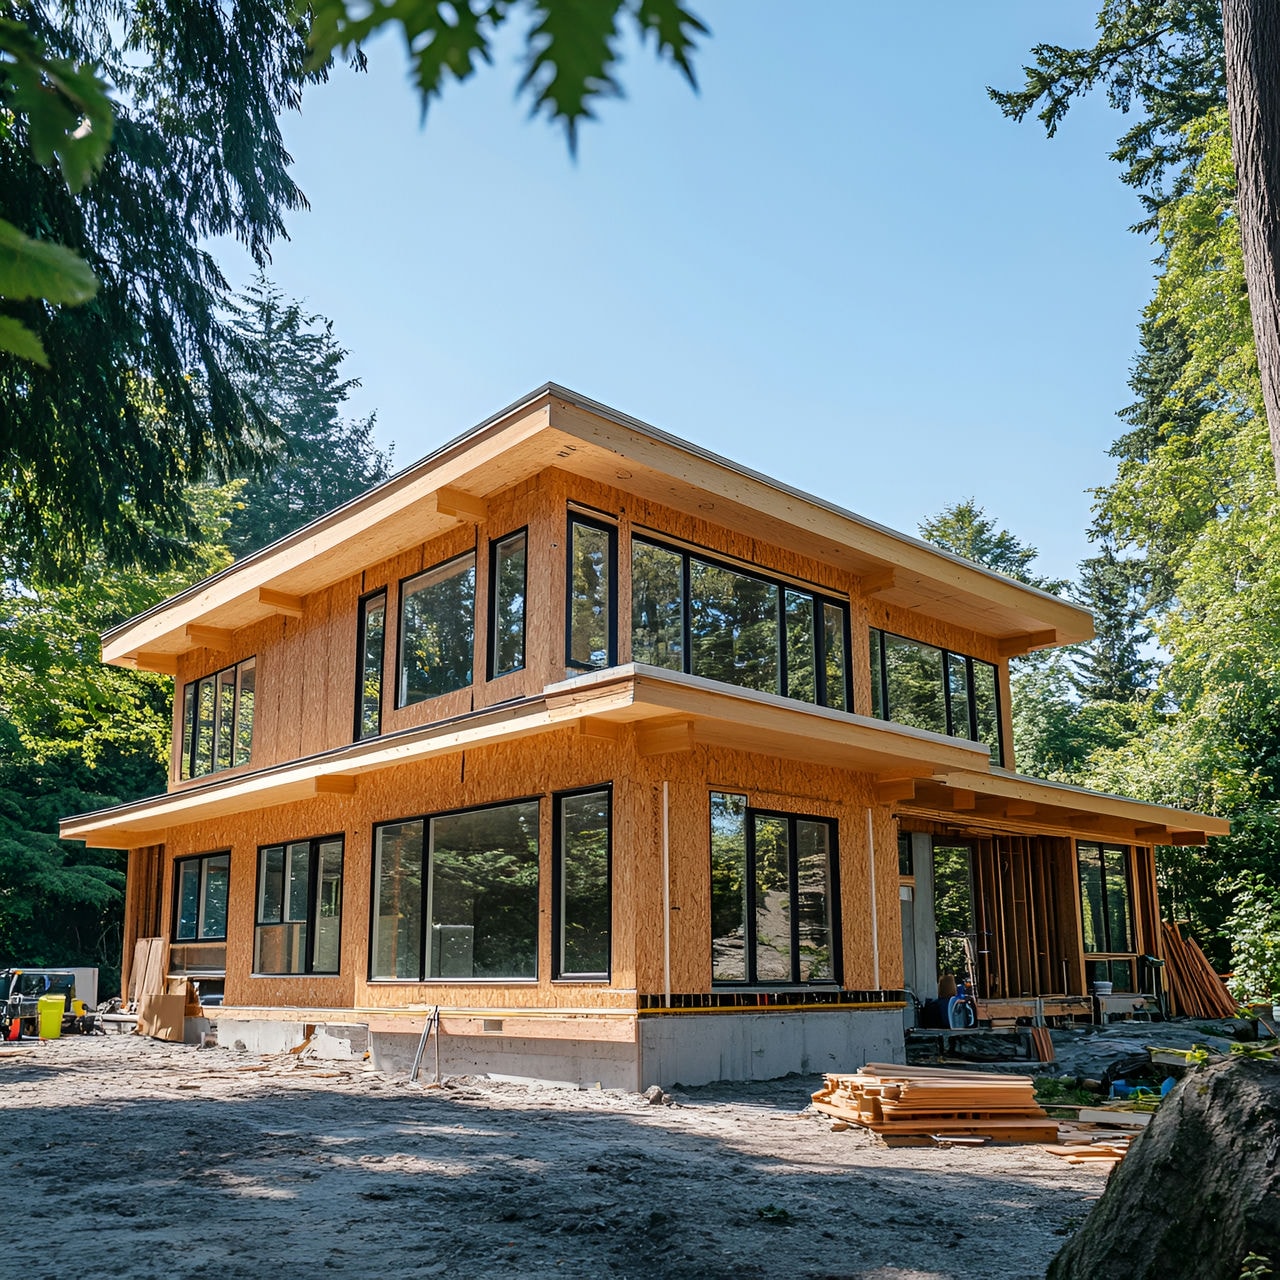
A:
(913, 1105)
(1195, 990)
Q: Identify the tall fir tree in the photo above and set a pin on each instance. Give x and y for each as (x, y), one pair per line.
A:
(1115, 665)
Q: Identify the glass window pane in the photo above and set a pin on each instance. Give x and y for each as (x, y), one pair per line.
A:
(328, 913)
(914, 690)
(204, 727)
(188, 896)
(244, 711)
(213, 907)
(1093, 921)
(226, 718)
(188, 729)
(297, 881)
(733, 627)
(590, 591)
(1115, 867)
(657, 606)
(802, 680)
(836, 663)
(397, 905)
(508, 604)
(958, 687)
(813, 900)
(271, 885)
(373, 634)
(437, 630)
(584, 884)
(952, 905)
(773, 900)
(728, 888)
(483, 893)
(986, 708)
(877, 676)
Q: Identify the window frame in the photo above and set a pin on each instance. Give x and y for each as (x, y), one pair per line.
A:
(557, 883)
(782, 586)
(189, 737)
(400, 702)
(752, 981)
(1101, 847)
(203, 859)
(362, 622)
(491, 666)
(313, 912)
(611, 531)
(424, 908)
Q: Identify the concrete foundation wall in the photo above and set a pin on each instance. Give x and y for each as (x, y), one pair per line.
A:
(328, 1039)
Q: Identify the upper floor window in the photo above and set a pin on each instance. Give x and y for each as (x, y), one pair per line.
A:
(592, 604)
(217, 720)
(691, 614)
(774, 898)
(927, 687)
(437, 630)
(200, 898)
(299, 913)
(369, 649)
(508, 574)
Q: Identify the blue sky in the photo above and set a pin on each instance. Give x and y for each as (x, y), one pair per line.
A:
(837, 264)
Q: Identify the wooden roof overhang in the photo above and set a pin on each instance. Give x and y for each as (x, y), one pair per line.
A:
(992, 802)
(664, 710)
(554, 428)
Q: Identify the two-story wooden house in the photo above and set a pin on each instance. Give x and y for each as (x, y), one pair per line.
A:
(638, 764)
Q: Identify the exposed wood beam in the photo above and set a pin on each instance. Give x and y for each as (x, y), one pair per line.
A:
(1188, 837)
(165, 663)
(880, 580)
(594, 727)
(209, 637)
(280, 602)
(1157, 835)
(963, 801)
(1013, 646)
(888, 790)
(1100, 823)
(336, 784)
(457, 502)
(1021, 809)
(658, 739)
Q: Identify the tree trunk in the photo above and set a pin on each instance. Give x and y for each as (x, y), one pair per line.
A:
(1251, 37)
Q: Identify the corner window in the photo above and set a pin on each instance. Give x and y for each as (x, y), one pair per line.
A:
(1104, 898)
(774, 896)
(369, 649)
(591, 625)
(200, 898)
(691, 614)
(926, 687)
(299, 913)
(508, 572)
(217, 720)
(437, 630)
(455, 897)
(582, 912)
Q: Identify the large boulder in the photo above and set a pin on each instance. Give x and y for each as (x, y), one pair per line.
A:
(1198, 1191)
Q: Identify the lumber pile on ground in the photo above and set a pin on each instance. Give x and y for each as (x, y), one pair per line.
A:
(1195, 990)
(913, 1106)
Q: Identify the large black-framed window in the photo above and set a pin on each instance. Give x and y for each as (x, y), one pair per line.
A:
(695, 614)
(1106, 914)
(455, 896)
(217, 720)
(437, 630)
(370, 642)
(582, 911)
(928, 687)
(775, 899)
(591, 613)
(508, 588)
(200, 886)
(298, 926)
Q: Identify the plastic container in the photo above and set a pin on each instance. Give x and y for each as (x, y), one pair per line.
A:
(51, 1010)
(1102, 988)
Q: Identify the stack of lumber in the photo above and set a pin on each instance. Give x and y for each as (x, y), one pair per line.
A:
(913, 1105)
(1079, 1145)
(1194, 989)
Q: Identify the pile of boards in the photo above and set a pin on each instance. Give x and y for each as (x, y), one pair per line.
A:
(1195, 989)
(918, 1106)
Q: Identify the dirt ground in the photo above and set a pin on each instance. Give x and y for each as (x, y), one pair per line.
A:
(127, 1157)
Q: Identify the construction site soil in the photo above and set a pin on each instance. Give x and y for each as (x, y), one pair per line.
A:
(133, 1158)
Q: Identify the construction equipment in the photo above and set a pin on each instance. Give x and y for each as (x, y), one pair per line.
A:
(20, 994)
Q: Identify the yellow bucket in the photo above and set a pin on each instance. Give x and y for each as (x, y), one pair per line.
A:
(51, 1011)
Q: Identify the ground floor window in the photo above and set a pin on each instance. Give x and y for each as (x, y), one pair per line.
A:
(200, 898)
(455, 896)
(299, 914)
(582, 923)
(774, 897)
(1106, 914)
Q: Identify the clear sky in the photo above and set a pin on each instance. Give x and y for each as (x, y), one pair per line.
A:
(837, 264)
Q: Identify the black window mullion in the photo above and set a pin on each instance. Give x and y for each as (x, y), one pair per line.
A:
(793, 890)
(313, 915)
(884, 682)
(749, 932)
(424, 905)
(973, 705)
(782, 645)
(686, 590)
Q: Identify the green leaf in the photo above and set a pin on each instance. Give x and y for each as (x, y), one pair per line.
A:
(17, 339)
(41, 269)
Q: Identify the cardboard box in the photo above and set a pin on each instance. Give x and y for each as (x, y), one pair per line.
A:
(161, 1016)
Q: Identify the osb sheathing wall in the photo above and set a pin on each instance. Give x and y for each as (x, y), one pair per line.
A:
(537, 767)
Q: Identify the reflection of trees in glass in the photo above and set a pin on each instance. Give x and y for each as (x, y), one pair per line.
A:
(437, 630)
(484, 891)
(657, 606)
(202, 897)
(728, 887)
(373, 634)
(986, 708)
(773, 899)
(244, 710)
(226, 717)
(952, 904)
(590, 589)
(217, 724)
(328, 908)
(508, 603)
(1107, 920)
(813, 900)
(914, 677)
(397, 906)
(203, 762)
(733, 626)
(585, 915)
(833, 626)
(802, 680)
